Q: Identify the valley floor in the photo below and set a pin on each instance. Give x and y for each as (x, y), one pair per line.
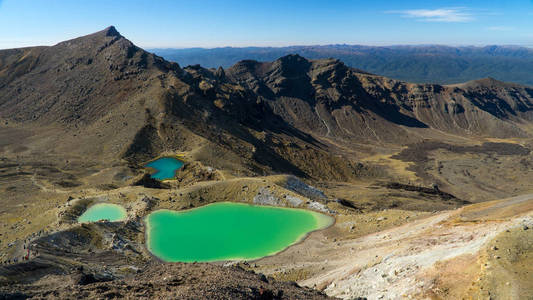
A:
(393, 237)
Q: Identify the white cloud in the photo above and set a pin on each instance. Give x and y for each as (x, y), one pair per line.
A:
(500, 28)
(450, 15)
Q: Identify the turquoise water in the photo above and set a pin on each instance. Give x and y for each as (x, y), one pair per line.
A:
(165, 167)
(228, 231)
(103, 211)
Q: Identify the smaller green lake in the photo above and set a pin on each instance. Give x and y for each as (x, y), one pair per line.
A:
(228, 231)
(165, 167)
(103, 211)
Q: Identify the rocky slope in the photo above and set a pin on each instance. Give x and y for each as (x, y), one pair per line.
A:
(330, 99)
(71, 81)
(183, 281)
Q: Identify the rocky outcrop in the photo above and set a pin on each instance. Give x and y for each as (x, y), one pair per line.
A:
(146, 180)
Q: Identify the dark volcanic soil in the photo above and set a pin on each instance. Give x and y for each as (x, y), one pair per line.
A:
(163, 281)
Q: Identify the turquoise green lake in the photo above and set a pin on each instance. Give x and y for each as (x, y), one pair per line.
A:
(103, 211)
(228, 231)
(165, 167)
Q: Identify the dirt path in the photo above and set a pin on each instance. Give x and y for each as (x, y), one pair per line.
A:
(44, 188)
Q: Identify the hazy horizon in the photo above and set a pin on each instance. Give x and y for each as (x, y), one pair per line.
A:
(349, 45)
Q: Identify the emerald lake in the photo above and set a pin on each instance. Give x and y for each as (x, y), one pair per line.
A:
(228, 231)
(165, 167)
(103, 211)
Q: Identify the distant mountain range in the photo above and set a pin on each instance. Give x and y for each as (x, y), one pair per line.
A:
(420, 64)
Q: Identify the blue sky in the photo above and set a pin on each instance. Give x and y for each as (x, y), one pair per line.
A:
(211, 23)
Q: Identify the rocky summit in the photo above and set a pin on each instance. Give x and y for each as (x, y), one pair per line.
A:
(429, 184)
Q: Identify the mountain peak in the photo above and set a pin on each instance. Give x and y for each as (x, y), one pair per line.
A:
(97, 38)
(111, 31)
(292, 57)
(487, 82)
(292, 64)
